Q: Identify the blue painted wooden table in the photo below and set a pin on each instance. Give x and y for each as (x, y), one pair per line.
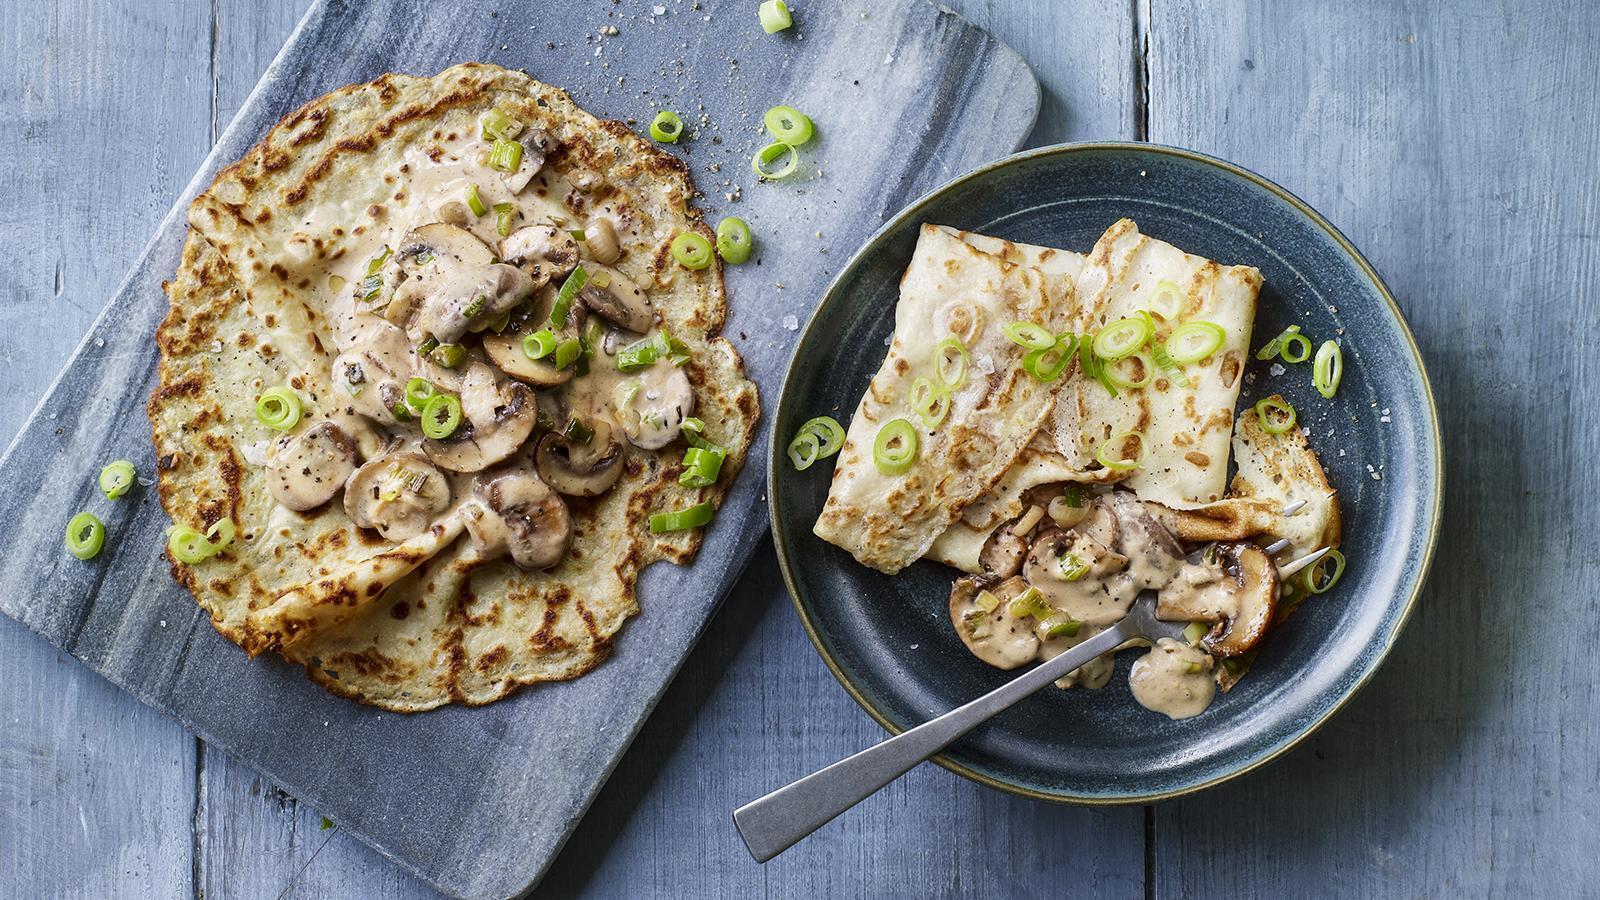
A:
(1452, 142)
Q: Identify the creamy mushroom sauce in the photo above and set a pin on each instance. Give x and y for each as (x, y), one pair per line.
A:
(1123, 551)
(446, 275)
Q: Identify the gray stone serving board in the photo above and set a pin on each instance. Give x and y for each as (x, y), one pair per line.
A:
(478, 801)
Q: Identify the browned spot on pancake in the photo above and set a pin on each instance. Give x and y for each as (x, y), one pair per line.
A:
(493, 659)
(1198, 458)
(400, 610)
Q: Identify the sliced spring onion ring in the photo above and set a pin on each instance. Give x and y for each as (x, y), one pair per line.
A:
(506, 156)
(577, 432)
(449, 355)
(1194, 341)
(931, 402)
(1122, 337)
(693, 431)
(188, 545)
(950, 362)
(567, 352)
(1328, 370)
(734, 242)
(1092, 365)
(1194, 631)
(681, 519)
(1300, 344)
(441, 416)
(279, 408)
(830, 434)
(1166, 300)
(805, 449)
(220, 535)
(1316, 580)
(1029, 335)
(895, 448)
(86, 534)
(1047, 363)
(569, 291)
(475, 201)
(666, 127)
(775, 16)
(499, 124)
(1029, 603)
(692, 251)
(766, 156)
(1060, 624)
(1276, 415)
(788, 125)
(1158, 352)
(1113, 454)
(1073, 495)
(540, 344)
(701, 467)
(1070, 567)
(503, 214)
(418, 392)
(117, 478)
(1147, 371)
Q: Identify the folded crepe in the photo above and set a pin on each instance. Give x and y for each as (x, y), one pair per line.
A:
(950, 289)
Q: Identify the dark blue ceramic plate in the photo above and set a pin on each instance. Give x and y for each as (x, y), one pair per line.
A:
(889, 639)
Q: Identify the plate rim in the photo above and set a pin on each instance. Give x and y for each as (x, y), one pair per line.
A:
(776, 457)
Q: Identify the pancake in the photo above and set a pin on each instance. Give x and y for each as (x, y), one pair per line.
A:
(411, 619)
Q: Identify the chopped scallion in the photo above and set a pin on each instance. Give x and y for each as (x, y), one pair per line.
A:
(895, 448)
(117, 478)
(679, 520)
(1276, 415)
(775, 16)
(86, 534)
(788, 125)
(667, 127)
(278, 408)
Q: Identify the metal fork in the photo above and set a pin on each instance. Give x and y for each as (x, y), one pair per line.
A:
(777, 821)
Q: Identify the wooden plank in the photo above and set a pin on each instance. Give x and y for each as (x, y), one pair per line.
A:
(1456, 147)
(103, 114)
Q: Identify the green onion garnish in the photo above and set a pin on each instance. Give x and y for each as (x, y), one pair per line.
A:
(950, 362)
(1073, 495)
(929, 401)
(279, 408)
(418, 392)
(475, 308)
(117, 478)
(804, 450)
(693, 431)
(701, 467)
(681, 519)
(734, 242)
(818, 438)
(1029, 603)
(895, 448)
(1091, 365)
(1047, 363)
(766, 156)
(1113, 454)
(1122, 338)
(1147, 367)
(188, 545)
(1276, 415)
(788, 125)
(427, 346)
(1328, 370)
(499, 125)
(1319, 582)
(474, 201)
(540, 343)
(775, 16)
(666, 127)
(1158, 351)
(503, 214)
(506, 155)
(86, 534)
(1194, 341)
(1061, 624)
(1029, 335)
(449, 355)
(1070, 568)
(692, 251)
(1279, 346)
(1194, 631)
(569, 290)
(441, 416)
(567, 352)
(1166, 300)
(576, 432)
(221, 534)
(640, 354)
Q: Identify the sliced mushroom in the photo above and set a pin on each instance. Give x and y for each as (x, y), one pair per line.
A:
(1154, 557)
(581, 469)
(453, 212)
(545, 252)
(600, 239)
(980, 607)
(653, 415)
(514, 513)
(399, 495)
(373, 369)
(1003, 552)
(1256, 580)
(311, 467)
(480, 443)
(1104, 591)
(453, 284)
(536, 145)
(421, 245)
(614, 296)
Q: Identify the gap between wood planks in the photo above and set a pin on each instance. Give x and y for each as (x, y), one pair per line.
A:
(1142, 18)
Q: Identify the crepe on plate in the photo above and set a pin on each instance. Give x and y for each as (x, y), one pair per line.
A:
(345, 236)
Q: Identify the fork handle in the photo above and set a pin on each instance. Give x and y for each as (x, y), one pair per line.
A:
(775, 822)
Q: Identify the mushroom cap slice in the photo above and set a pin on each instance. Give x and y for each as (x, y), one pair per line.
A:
(1256, 579)
(581, 470)
(514, 513)
(311, 467)
(653, 415)
(545, 252)
(477, 445)
(439, 239)
(505, 351)
(619, 299)
(993, 635)
(399, 495)
(1003, 552)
